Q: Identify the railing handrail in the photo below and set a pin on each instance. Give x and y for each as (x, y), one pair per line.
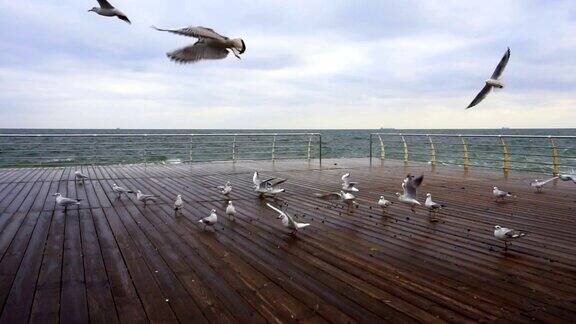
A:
(159, 135)
(477, 135)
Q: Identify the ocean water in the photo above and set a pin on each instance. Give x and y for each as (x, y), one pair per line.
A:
(180, 147)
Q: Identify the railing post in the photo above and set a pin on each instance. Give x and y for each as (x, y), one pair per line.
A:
(320, 148)
(465, 152)
(432, 151)
(274, 148)
(382, 149)
(234, 149)
(93, 149)
(145, 152)
(405, 148)
(371, 148)
(506, 160)
(310, 147)
(555, 158)
(190, 149)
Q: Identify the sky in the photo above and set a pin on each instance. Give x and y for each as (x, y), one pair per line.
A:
(311, 64)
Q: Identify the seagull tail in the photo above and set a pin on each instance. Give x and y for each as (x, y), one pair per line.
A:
(302, 225)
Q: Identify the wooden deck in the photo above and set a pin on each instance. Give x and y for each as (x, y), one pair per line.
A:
(116, 261)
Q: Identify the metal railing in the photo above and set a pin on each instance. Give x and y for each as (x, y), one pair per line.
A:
(26, 150)
(549, 154)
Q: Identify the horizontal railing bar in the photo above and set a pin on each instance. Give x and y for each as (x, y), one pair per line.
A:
(159, 135)
(477, 135)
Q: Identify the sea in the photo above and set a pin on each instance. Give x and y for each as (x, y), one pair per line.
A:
(534, 152)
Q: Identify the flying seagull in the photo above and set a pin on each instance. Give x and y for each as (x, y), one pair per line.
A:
(568, 177)
(120, 190)
(344, 197)
(507, 235)
(494, 81)
(225, 189)
(500, 194)
(210, 45)
(347, 185)
(145, 198)
(409, 197)
(178, 204)
(210, 220)
(288, 221)
(106, 9)
(230, 210)
(539, 184)
(267, 187)
(66, 202)
(80, 177)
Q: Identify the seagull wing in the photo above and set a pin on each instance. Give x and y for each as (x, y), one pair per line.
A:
(501, 66)
(68, 201)
(197, 32)
(122, 16)
(549, 180)
(279, 181)
(410, 185)
(480, 96)
(198, 51)
(514, 234)
(105, 4)
(276, 209)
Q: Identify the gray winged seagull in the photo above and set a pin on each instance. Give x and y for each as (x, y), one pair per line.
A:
(268, 187)
(539, 184)
(288, 221)
(209, 46)
(344, 197)
(432, 206)
(348, 185)
(409, 197)
(507, 235)
(209, 220)
(178, 203)
(500, 194)
(145, 198)
(107, 10)
(230, 210)
(80, 177)
(494, 81)
(384, 203)
(66, 202)
(568, 176)
(120, 190)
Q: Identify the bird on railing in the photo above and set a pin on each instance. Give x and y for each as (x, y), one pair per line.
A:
(268, 187)
(230, 210)
(107, 10)
(225, 189)
(210, 220)
(288, 221)
(145, 198)
(80, 177)
(500, 194)
(66, 202)
(410, 186)
(507, 235)
(347, 185)
(432, 206)
(384, 203)
(346, 198)
(539, 184)
(178, 205)
(120, 190)
(495, 80)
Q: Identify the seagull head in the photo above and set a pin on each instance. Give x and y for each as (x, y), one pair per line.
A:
(139, 192)
(94, 9)
(428, 195)
(381, 197)
(213, 211)
(495, 188)
(57, 194)
(179, 196)
(398, 194)
(230, 203)
(497, 227)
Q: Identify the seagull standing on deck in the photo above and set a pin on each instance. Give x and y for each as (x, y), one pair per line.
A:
(107, 10)
(230, 210)
(410, 197)
(66, 202)
(539, 184)
(345, 197)
(210, 45)
(178, 204)
(145, 198)
(288, 221)
(210, 220)
(500, 194)
(80, 177)
(225, 189)
(432, 206)
(347, 185)
(120, 190)
(507, 235)
(494, 81)
(384, 203)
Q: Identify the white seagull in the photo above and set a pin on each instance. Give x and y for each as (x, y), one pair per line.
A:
(409, 197)
(431, 205)
(230, 210)
(384, 203)
(145, 198)
(107, 10)
(209, 220)
(494, 81)
(500, 194)
(66, 202)
(539, 184)
(225, 189)
(347, 185)
(568, 177)
(210, 45)
(288, 221)
(120, 190)
(178, 204)
(344, 197)
(80, 177)
(507, 235)
(267, 187)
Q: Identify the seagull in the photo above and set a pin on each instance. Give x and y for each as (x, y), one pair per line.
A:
(507, 235)
(494, 81)
(431, 205)
(178, 204)
(347, 185)
(230, 210)
(568, 177)
(499, 194)
(383, 203)
(106, 9)
(539, 184)
(66, 202)
(209, 220)
(288, 221)
(267, 187)
(226, 189)
(345, 197)
(145, 198)
(120, 190)
(409, 197)
(80, 177)
(210, 45)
